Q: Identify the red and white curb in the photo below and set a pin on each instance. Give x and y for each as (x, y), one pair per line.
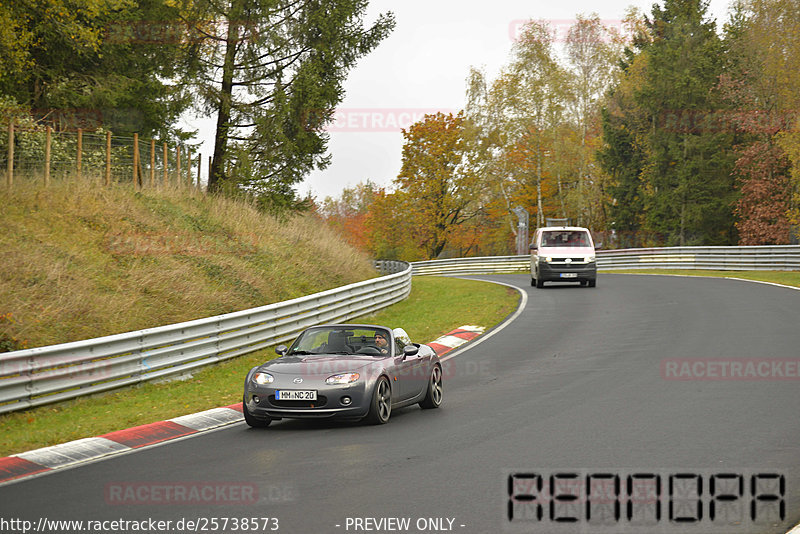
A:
(39, 461)
(455, 339)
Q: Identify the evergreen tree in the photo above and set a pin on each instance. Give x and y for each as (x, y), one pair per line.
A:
(689, 191)
(272, 77)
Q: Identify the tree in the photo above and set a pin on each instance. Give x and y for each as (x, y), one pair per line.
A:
(760, 44)
(348, 212)
(272, 75)
(98, 62)
(689, 189)
(625, 130)
(439, 191)
(592, 54)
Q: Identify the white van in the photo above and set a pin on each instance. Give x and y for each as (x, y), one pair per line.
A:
(563, 254)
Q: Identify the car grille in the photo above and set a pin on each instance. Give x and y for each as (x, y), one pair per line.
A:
(321, 401)
(573, 261)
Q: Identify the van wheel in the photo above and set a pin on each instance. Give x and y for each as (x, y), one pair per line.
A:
(533, 281)
(592, 283)
(539, 283)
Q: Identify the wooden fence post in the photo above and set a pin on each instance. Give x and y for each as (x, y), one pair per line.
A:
(108, 159)
(178, 164)
(136, 160)
(166, 164)
(210, 160)
(10, 175)
(189, 166)
(199, 169)
(47, 150)
(80, 151)
(152, 162)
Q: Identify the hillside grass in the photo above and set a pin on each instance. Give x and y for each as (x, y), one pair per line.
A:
(436, 306)
(79, 260)
(787, 278)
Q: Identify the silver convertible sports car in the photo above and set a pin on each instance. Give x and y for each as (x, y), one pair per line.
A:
(346, 371)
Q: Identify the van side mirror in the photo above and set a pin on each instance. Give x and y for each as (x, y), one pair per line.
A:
(533, 247)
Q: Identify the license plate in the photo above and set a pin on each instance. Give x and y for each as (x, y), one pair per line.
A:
(569, 275)
(293, 394)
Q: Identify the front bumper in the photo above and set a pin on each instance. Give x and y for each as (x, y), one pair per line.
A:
(551, 272)
(331, 402)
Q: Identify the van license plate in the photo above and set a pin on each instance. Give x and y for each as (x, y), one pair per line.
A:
(569, 275)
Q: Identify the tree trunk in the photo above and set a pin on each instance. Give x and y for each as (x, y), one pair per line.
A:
(216, 174)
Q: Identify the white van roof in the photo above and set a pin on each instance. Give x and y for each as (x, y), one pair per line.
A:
(562, 228)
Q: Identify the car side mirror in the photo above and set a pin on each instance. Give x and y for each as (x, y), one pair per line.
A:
(281, 349)
(410, 350)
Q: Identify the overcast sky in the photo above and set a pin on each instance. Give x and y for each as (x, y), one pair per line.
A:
(422, 68)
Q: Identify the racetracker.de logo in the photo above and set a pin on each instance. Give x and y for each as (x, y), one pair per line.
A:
(369, 119)
(730, 369)
(178, 493)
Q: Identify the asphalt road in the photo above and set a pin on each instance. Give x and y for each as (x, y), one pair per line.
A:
(581, 382)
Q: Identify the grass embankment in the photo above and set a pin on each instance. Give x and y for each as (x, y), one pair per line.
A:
(435, 306)
(787, 278)
(79, 260)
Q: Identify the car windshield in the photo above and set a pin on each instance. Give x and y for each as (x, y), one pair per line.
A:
(565, 238)
(342, 340)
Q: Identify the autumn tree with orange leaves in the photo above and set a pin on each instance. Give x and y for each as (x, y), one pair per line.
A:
(436, 188)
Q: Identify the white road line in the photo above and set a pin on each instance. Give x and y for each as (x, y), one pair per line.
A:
(721, 277)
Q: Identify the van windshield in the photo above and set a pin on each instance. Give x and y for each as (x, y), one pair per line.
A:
(565, 238)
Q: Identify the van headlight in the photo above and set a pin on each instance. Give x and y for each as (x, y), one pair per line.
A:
(548, 259)
(589, 259)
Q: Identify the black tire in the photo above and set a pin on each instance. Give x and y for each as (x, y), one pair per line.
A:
(433, 397)
(539, 283)
(252, 420)
(380, 408)
(592, 283)
(533, 281)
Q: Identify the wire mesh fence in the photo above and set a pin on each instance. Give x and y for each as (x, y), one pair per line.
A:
(40, 153)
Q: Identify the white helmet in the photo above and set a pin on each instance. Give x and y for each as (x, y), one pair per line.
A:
(401, 335)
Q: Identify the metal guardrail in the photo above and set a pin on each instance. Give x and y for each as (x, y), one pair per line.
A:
(750, 258)
(481, 265)
(44, 375)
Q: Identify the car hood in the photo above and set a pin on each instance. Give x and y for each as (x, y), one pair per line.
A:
(320, 364)
(566, 252)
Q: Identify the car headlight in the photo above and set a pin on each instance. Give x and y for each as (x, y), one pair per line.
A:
(263, 378)
(589, 259)
(548, 259)
(343, 378)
